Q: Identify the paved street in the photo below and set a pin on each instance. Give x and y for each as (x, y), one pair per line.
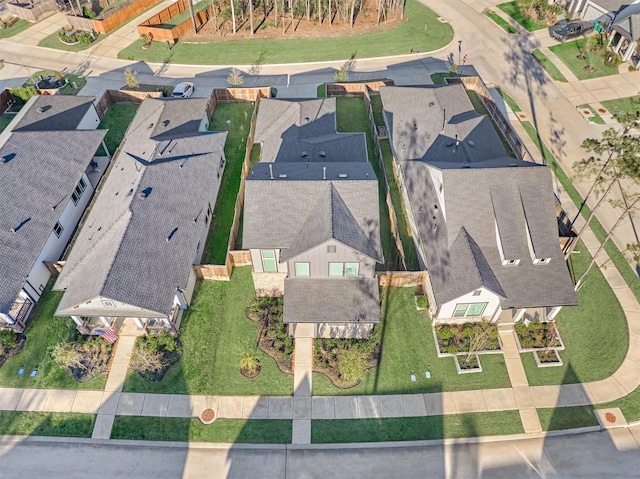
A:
(595, 455)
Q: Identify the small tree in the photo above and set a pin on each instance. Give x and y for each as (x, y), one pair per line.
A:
(67, 355)
(249, 363)
(21, 94)
(342, 75)
(131, 78)
(235, 78)
(146, 359)
(479, 340)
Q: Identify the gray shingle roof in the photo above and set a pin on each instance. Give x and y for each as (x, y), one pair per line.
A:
(331, 300)
(44, 168)
(53, 113)
(462, 252)
(138, 249)
(438, 124)
(305, 131)
(301, 210)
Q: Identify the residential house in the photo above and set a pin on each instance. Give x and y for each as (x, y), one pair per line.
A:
(311, 220)
(620, 20)
(134, 256)
(48, 173)
(484, 223)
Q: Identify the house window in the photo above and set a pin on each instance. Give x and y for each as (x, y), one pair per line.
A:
(331, 248)
(77, 193)
(58, 229)
(302, 269)
(335, 269)
(469, 309)
(351, 269)
(269, 261)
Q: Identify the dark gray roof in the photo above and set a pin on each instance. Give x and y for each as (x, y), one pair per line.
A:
(627, 21)
(297, 209)
(38, 172)
(138, 249)
(305, 131)
(438, 124)
(462, 252)
(328, 300)
(53, 113)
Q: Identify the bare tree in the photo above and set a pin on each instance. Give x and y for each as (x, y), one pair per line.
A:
(235, 78)
(131, 78)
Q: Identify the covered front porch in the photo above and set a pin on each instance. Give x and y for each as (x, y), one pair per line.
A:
(130, 326)
(527, 316)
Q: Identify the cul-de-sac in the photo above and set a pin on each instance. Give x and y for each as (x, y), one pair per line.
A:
(287, 239)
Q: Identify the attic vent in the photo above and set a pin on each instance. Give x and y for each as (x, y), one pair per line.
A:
(146, 192)
(304, 154)
(130, 192)
(17, 228)
(283, 175)
(8, 157)
(342, 175)
(450, 143)
(165, 123)
(466, 166)
(512, 164)
(306, 118)
(173, 232)
(44, 108)
(471, 143)
(150, 125)
(322, 153)
(431, 103)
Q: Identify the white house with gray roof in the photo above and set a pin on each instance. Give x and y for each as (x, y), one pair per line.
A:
(312, 220)
(48, 173)
(134, 256)
(483, 223)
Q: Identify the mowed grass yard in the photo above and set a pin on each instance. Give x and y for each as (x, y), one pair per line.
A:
(43, 332)
(568, 53)
(352, 116)
(622, 105)
(239, 113)
(116, 120)
(215, 332)
(409, 35)
(408, 345)
(512, 9)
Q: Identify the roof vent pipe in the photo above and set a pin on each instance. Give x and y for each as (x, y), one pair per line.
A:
(324, 172)
(270, 171)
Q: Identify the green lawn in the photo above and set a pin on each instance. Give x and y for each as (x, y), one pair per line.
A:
(509, 101)
(255, 431)
(567, 52)
(116, 120)
(567, 418)
(19, 423)
(506, 26)
(622, 105)
(408, 345)
(214, 333)
(408, 36)
(5, 120)
(594, 116)
(215, 251)
(511, 9)
(408, 246)
(629, 405)
(352, 115)
(321, 91)
(376, 107)
(43, 332)
(53, 41)
(416, 428)
(14, 29)
(68, 89)
(548, 65)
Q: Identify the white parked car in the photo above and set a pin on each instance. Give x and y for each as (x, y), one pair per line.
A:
(183, 90)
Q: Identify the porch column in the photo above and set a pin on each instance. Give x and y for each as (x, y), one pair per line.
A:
(139, 323)
(7, 318)
(620, 43)
(518, 316)
(77, 320)
(553, 313)
(104, 321)
(630, 51)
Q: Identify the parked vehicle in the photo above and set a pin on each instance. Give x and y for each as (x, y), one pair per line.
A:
(183, 90)
(563, 30)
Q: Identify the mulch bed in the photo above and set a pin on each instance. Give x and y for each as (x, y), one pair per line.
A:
(22, 339)
(96, 358)
(169, 359)
(538, 335)
(327, 352)
(273, 339)
(456, 338)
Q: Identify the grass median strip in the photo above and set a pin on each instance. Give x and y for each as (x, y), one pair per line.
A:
(20, 423)
(416, 428)
(629, 405)
(506, 26)
(548, 65)
(554, 419)
(255, 431)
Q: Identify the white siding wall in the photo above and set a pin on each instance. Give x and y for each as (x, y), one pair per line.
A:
(90, 121)
(115, 311)
(203, 123)
(319, 259)
(191, 284)
(53, 248)
(485, 296)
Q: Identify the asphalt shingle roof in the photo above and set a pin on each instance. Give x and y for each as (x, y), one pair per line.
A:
(53, 113)
(38, 172)
(325, 300)
(297, 209)
(140, 239)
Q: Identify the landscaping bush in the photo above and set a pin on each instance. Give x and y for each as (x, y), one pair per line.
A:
(88, 13)
(8, 340)
(422, 302)
(153, 355)
(272, 336)
(21, 94)
(467, 337)
(539, 335)
(84, 357)
(249, 365)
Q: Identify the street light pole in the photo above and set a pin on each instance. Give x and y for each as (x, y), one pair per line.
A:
(459, 51)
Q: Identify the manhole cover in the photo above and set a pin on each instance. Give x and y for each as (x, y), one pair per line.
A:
(207, 416)
(602, 110)
(610, 417)
(586, 112)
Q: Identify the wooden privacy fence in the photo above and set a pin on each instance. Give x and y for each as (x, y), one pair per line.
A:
(32, 12)
(110, 97)
(156, 25)
(402, 279)
(212, 272)
(111, 18)
(355, 89)
(5, 100)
